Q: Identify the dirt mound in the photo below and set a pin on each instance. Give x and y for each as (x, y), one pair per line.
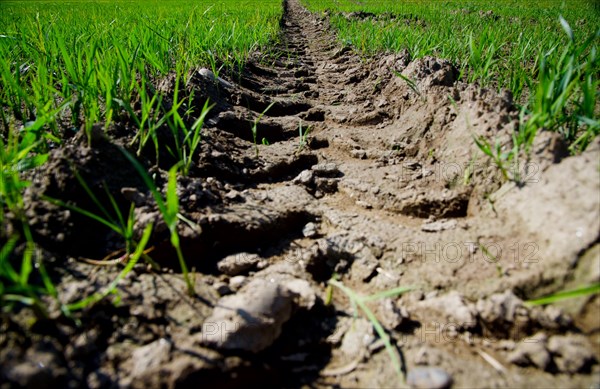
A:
(368, 171)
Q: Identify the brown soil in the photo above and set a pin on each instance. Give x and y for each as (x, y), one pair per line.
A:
(389, 190)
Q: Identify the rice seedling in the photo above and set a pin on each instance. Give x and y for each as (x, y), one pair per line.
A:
(566, 94)
(303, 132)
(361, 302)
(491, 258)
(68, 68)
(100, 59)
(186, 140)
(192, 138)
(169, 209)
(116, 222)
(564, 101)
(20, 152)
(496, 154)
(411, 83)
(254, 128)
(493, 43)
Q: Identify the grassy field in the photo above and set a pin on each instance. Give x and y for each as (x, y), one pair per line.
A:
(489, 40)
(67, 66)
(94, 58)
(544, 52)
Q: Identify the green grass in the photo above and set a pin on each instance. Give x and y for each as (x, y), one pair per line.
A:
(359, 301)
(91, 62)
(169, 209)
(567, 294)
(66, 66)
(501, 49)
(543, 51)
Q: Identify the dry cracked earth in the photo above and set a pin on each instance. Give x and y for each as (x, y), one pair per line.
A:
(365, 176)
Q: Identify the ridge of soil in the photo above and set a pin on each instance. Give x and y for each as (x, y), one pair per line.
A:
(388, 190)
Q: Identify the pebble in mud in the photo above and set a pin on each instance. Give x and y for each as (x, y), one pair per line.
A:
(234, 265)
(359, 154)
(134, 195)
(428, 377)
(357, 338)
(326, 169)
(222, 288)
(235, 283)
(310, 230)
(306, 177)
(439, 225)
(211, 77)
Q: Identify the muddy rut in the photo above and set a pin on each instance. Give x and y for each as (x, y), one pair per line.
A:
(358, 173)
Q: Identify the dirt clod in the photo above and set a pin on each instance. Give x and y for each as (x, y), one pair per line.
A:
(571, 353)
(250, 320)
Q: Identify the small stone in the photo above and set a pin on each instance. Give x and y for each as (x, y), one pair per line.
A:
(205, 73)
(310, 230)
(428, 378)
(210, 76)
(237, 282)
(133, 195)
(304, 178)
(326, 169)
(222, 288)
(439, 225)
(262, 264)
(233, 265)
(364, 204)
(357, 338)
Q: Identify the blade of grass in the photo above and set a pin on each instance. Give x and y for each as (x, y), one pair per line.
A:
(565, 295)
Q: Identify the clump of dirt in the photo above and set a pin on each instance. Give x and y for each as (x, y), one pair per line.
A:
(382, 186)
